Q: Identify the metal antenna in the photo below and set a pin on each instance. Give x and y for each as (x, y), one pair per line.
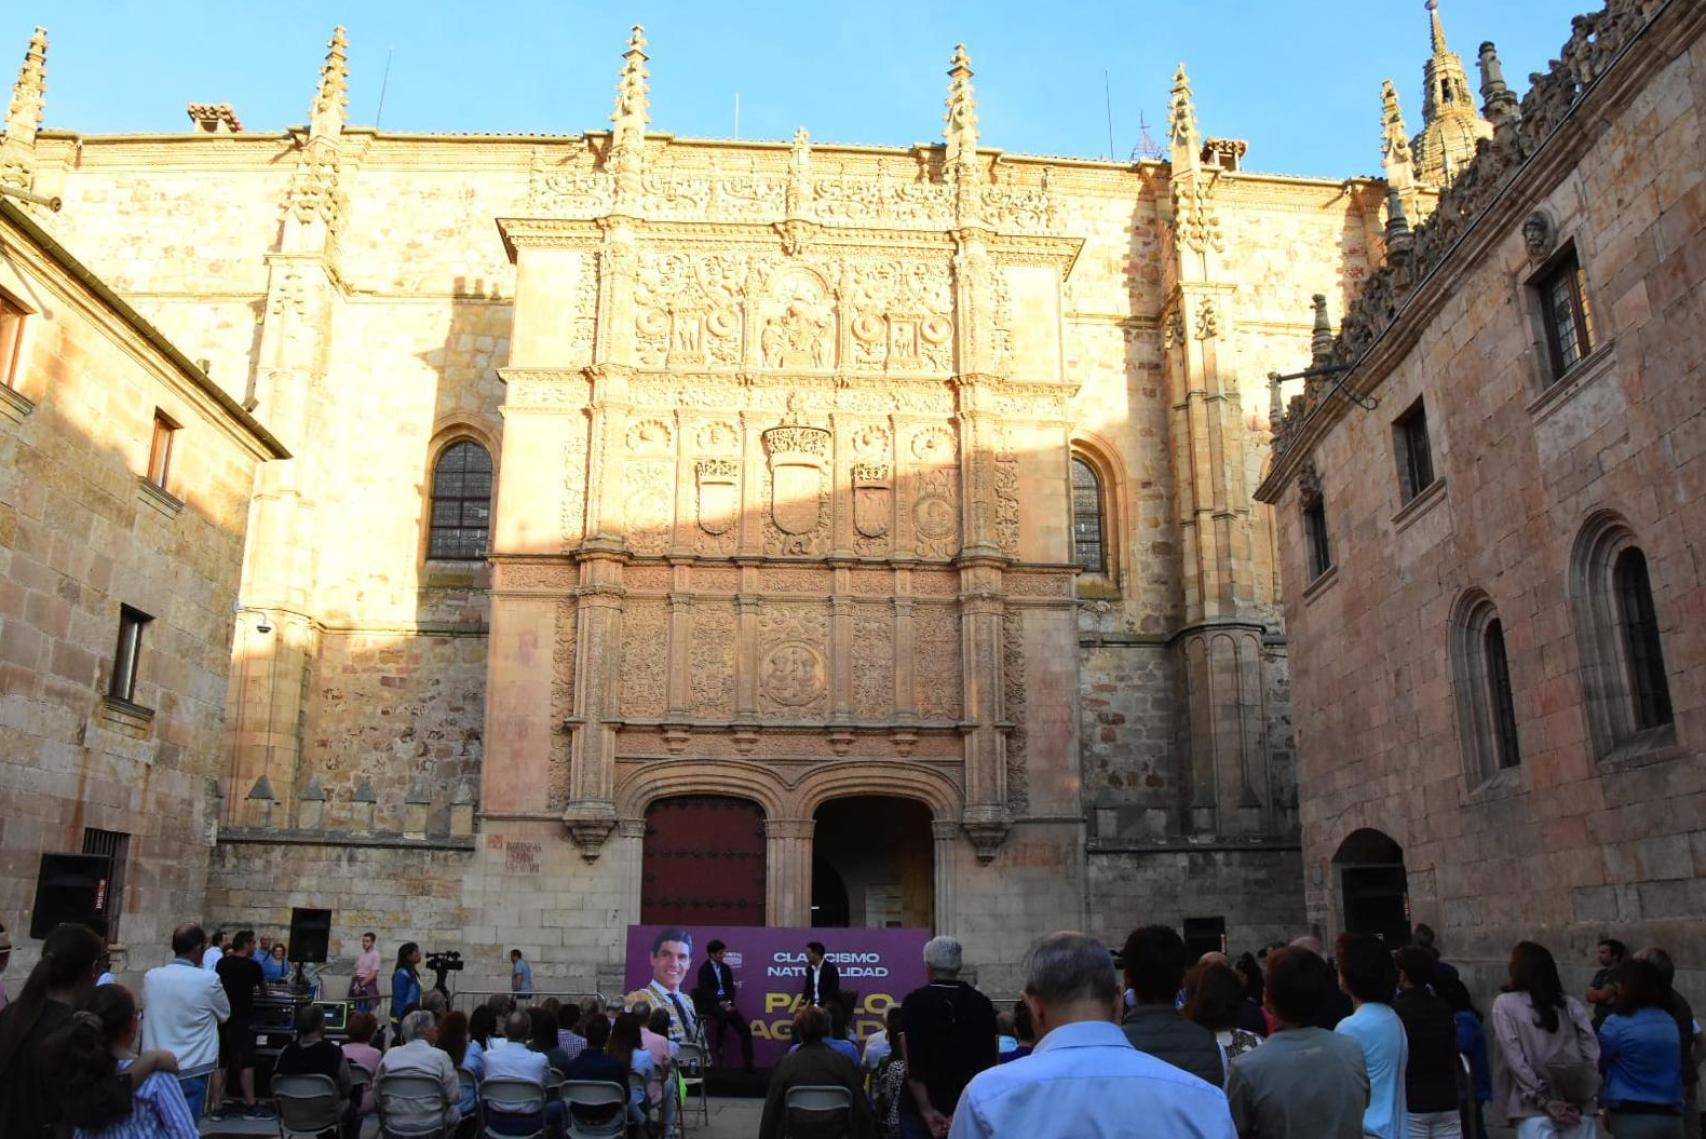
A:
(1145, 147)
(1108, 100)
(384, 83)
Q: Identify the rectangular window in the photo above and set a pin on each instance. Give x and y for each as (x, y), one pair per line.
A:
(11, 339)
(160, 453)
(129, 654)
(109, 902)
(1320, 554)
(1415, 455)
(1564, 313)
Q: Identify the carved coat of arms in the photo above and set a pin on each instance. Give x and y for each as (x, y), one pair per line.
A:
(719, 494)
(872, 499)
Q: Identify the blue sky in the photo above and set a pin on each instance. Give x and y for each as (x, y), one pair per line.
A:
(1299, 80)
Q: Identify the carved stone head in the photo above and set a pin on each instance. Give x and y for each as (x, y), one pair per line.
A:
(1539, 235)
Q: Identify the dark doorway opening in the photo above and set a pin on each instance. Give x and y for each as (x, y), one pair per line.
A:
(873, 864)
(703, 862)
(1374, 887)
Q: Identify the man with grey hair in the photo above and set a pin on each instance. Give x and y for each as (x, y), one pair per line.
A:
(416, 1056)
(950, 1037)
(1084, 1077)
(1688, 1033)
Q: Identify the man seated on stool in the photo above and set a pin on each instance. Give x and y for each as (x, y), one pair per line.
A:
(715, 999)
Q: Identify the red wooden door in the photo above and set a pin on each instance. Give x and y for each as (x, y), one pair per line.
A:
(703, 862)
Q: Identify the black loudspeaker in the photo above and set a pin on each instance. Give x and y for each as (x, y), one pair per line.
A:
(70, 888)
(310, 935)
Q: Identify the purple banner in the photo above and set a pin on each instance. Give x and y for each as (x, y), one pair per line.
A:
(881, 966)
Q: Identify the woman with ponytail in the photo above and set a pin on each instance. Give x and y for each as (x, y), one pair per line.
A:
(61, 982)
(93, 1048)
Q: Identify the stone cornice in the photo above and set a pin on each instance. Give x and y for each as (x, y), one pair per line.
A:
(1669, 33)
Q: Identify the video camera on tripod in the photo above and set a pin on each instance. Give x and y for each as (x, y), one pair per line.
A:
(441, 963)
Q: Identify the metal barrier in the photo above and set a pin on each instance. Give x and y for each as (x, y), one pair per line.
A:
(469, 999)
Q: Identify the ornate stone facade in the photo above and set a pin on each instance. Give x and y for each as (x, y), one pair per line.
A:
(781, 435)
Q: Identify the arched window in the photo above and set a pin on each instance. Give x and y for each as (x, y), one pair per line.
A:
(1481, 676)
(461, 503)
(1644, 656)
(1625, 690)
(1089, 543)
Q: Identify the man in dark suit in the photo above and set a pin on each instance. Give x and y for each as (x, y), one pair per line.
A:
(715, 996)
(823, 982)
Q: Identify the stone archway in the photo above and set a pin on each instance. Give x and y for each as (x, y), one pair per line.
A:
(1374, 893)
(873, 863)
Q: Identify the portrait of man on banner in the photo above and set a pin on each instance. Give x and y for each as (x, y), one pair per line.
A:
(671, 964)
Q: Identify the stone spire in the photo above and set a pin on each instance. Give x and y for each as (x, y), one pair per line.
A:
(961, 120)
(1395, 155)
(633, 111)
(23, 117)
(1182, 136)
(29, 93)
(1499, 103)
(1450, 124)
(1321, 337)
(799, 194)
(330, 111)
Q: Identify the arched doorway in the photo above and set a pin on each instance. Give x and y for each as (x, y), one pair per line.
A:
(1373, 888)
(873, 864)
(703, 862)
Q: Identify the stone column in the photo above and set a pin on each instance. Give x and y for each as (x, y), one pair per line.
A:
(946, 833)
(987, 818)
(591, 811)
(788, 871)
(631, 853)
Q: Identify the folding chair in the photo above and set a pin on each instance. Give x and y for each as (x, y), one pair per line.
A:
(823, 1101)
(307, 1105)
(406, 1102)
(637, 1085)
(691, 1063)
(553, 1085)
(595, 1094)
(516, 1099)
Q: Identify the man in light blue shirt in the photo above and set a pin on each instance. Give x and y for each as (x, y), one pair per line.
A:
(1085, 1079)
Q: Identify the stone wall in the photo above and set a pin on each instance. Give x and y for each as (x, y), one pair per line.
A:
(1579, 840)
(81, 533)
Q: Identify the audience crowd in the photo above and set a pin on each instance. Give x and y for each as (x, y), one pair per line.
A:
(1287, 1043)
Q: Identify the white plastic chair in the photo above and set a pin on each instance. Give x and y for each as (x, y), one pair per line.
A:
(595, 1094)
(307, 1105)
(820, 1098)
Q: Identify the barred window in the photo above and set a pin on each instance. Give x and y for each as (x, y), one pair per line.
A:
(1481, 675)
(1648, 688)
(1089, 547)
(1564, 314)
(461, 503)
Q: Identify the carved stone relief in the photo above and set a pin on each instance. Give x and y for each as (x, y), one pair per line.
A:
(793, 672)
(645, 660)
(797, 485)
(562, 704)
(936, 663)
(1013, 700)
(711, 661)
(873, 662)
(1006, 494)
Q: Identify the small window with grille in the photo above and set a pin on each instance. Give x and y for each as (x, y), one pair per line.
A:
(461, 503)
(109, 902)
(1564, 314)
